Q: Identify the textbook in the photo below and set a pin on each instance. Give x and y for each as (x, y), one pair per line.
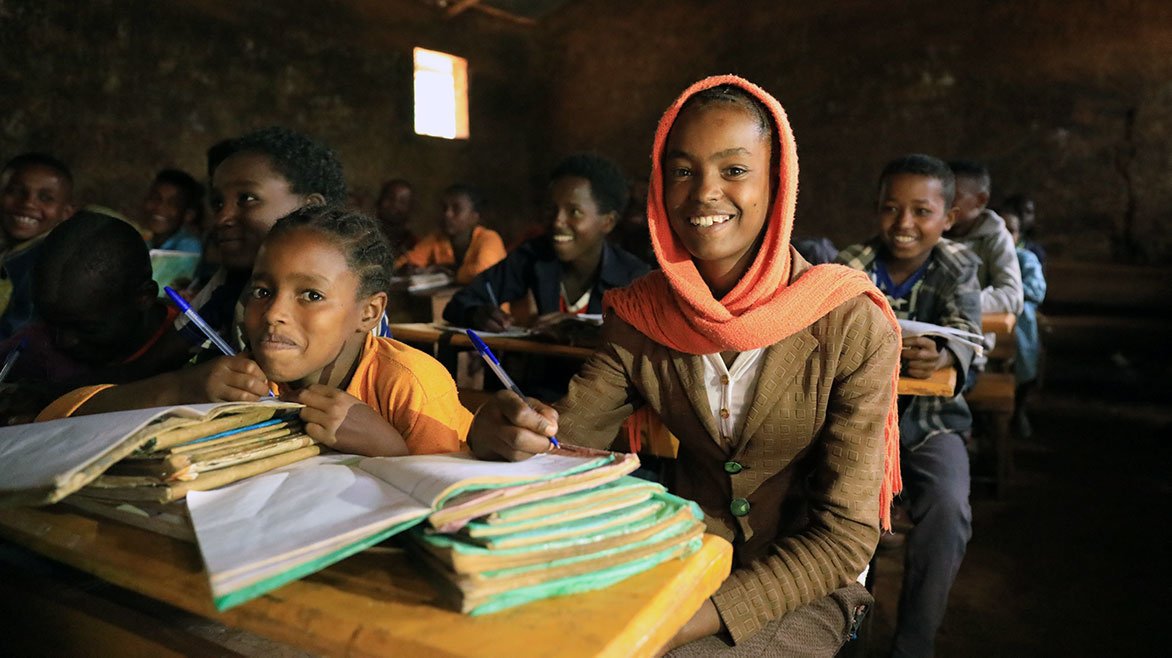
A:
(41, 463)
(263, 532)
(171, 267)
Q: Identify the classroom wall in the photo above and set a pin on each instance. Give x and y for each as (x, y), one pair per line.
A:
(1069, 100)
(121, 88)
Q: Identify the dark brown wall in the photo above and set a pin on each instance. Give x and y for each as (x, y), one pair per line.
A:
(120, 89)
(1065, 99)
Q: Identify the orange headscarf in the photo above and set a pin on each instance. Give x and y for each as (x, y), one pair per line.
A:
(674, 306)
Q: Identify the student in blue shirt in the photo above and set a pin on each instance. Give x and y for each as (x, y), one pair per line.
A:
(173, 203)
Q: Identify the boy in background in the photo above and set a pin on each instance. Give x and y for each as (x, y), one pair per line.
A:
(172, 207)
(98, 308)
(1025, 331)
(928, 279)
(983, 231)
(393, 210)
(461, 246)
(37, 195)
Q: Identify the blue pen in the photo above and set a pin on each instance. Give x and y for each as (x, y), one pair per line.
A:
(203, 326)
(186, 309)
(490, 359)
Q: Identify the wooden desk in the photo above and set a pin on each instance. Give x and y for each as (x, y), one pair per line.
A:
(426, 333)
(998, 323)
(942, 382)
(375, 603)
(1001, 325)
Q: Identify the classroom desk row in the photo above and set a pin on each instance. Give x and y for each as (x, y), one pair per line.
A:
(942, 382)
(371, 604)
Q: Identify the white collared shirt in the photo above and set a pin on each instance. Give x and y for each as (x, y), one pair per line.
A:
(730, 390)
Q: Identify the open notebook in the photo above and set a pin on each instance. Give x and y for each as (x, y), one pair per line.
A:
(268, 530)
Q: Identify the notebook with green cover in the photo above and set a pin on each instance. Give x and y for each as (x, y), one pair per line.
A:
(260, 533)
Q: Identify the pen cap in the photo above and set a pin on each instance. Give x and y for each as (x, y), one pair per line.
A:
(481, 347)
(179, 301)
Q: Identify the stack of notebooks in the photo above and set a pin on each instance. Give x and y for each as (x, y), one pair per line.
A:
(497, 534)
(138, 466)
(561, 545)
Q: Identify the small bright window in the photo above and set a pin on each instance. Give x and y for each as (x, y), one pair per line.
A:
(441, 94)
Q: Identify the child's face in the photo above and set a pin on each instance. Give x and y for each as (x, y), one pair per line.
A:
(97, 332)
(301, 307)
(248, 197)
(716, 183)
(578, 227)
(394, 204)
(35, 199)
(970, 201)
(164, 209)
(459, 215)
(912, 217)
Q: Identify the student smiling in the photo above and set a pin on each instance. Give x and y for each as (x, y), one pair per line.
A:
(315, 293)
(777, 378)
(570, 268)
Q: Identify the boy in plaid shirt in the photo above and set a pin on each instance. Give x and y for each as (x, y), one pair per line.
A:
(928, 279)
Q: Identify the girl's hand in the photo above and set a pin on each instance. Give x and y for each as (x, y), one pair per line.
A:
(226, 379)
(506, 428)
(921, 357)
(345, 423)
(491, 318)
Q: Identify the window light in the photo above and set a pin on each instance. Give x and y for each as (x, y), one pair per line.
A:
(441, 94)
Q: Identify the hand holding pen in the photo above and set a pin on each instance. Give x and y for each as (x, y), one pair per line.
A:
(234, 379)
(490, 317)
(495, 366)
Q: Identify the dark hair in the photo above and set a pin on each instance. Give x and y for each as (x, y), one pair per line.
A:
(1017, 204)
(400, 182)
(608, 186)
(732, 95)
(971, 170)
(191, 189)
(475, 197)
(90, 255)
(310, 167)
(40, 159)
(918, 164)
(217, 153)
(368, 253)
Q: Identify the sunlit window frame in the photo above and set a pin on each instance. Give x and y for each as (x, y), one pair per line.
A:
(441, 94)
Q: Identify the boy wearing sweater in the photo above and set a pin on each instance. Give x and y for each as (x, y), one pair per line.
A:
(983, 231)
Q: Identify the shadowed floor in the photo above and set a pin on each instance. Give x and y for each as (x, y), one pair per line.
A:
(1070, 560)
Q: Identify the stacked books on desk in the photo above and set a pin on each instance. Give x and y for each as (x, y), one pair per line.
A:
(499, 534)
(561, 545)
(149, 455)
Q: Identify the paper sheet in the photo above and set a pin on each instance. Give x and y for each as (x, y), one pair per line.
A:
(302, 510)
(428, 478)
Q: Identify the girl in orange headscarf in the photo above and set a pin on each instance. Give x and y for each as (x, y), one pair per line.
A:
(777, 378)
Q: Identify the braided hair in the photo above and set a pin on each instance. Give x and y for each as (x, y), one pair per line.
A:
(368, 253)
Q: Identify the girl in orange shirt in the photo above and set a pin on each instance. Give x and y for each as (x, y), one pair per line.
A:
(461, 245)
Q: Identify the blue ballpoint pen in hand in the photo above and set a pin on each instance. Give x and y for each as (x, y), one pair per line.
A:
(495, 365)
(186, 309)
